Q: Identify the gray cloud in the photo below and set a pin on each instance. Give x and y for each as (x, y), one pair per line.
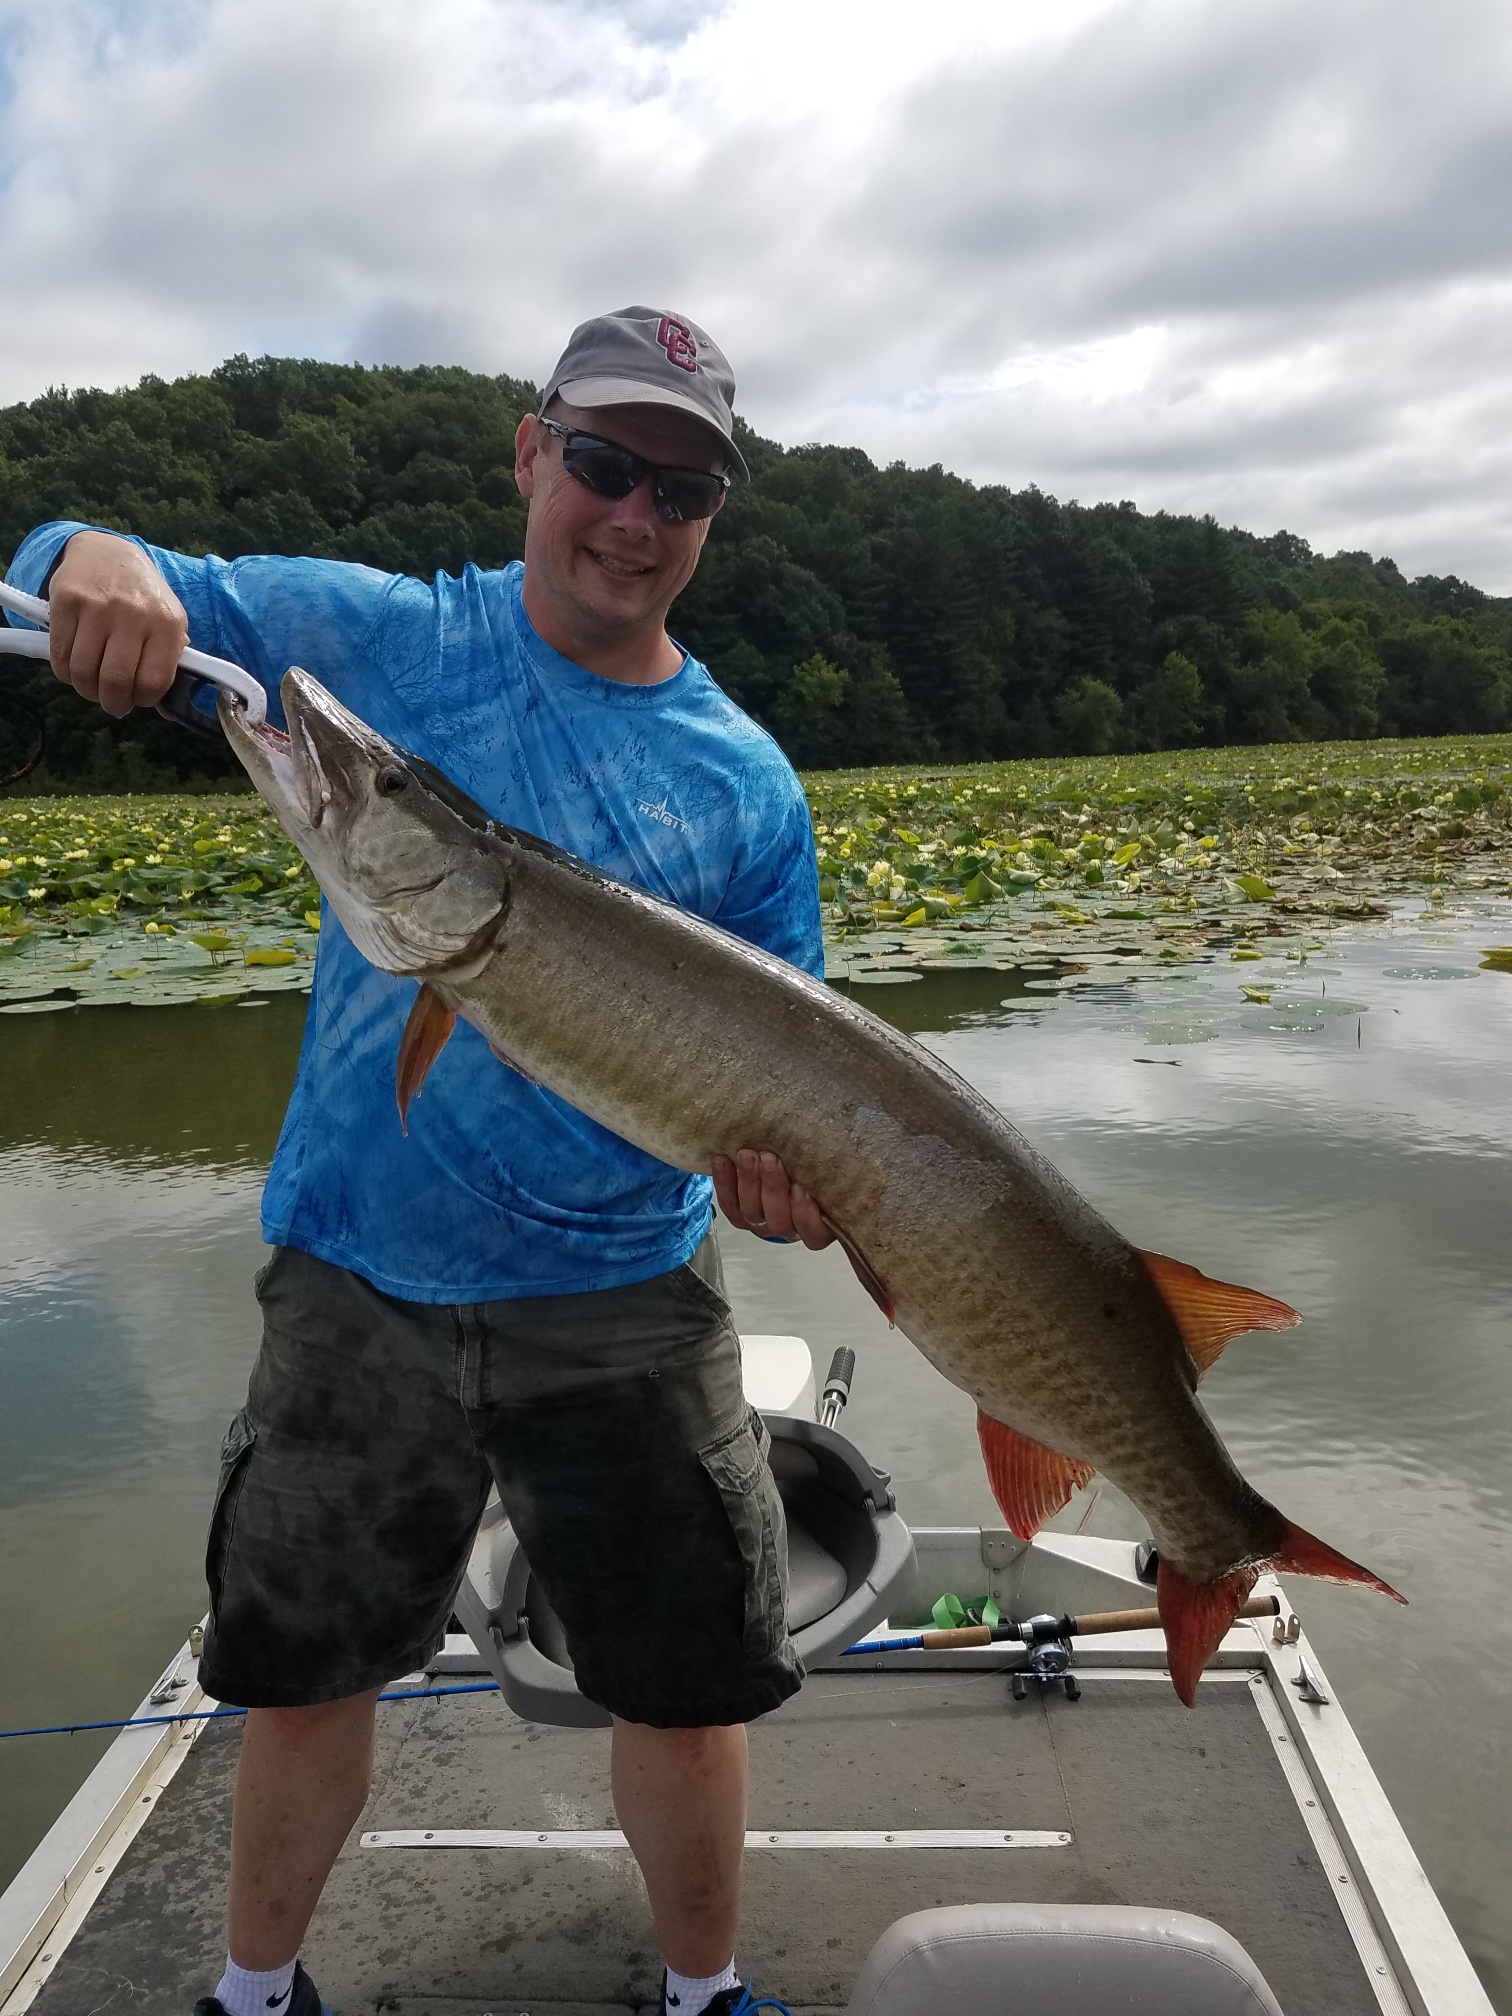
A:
(1255, 261)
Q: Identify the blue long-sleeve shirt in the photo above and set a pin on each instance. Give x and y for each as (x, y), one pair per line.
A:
(500, 1188)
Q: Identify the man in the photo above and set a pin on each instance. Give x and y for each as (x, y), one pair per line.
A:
(512, 1294)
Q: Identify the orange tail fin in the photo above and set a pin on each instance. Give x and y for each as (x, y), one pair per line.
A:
(1301, 1554)
(1195, 1615)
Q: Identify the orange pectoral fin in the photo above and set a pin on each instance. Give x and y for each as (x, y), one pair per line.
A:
(1030, 1482)
(425, 1033)
(1208, 1313)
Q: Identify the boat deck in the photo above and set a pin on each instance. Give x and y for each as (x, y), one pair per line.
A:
(1162, 1807)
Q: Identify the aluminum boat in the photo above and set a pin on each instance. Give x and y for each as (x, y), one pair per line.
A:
(1032, 1822)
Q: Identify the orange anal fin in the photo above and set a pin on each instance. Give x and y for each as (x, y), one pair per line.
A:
(864, 1272)
(1195, 1616)
(425, 1033)
(1208, 1313)
(1030, 1482)
(504, 1058)
(1302, 1554)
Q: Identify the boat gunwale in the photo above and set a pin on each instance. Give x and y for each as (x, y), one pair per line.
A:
(76, 1857)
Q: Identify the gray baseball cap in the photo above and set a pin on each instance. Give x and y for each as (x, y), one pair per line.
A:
(647, 357)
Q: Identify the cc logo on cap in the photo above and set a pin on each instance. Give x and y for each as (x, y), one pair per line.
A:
(676, 338)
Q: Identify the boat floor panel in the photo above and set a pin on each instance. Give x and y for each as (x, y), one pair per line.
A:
(1166, 1807)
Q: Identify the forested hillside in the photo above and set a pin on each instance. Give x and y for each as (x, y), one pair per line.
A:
(866, 615)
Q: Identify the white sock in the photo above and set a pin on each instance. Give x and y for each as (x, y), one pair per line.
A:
(245, 1993)
(691, 1994)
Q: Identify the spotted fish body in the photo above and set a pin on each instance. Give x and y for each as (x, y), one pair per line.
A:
(1080, 1352)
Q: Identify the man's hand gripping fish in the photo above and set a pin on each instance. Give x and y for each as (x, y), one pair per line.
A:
(1082, 1353)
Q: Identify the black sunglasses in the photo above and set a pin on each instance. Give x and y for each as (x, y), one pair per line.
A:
(611, 471)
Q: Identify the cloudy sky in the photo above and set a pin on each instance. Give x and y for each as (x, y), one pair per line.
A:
(1254, 260)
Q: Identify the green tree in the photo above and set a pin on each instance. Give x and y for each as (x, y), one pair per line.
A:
(1346, 677)
(1443, 679)
(863, 614)
(1090, 716)
(1167, 709)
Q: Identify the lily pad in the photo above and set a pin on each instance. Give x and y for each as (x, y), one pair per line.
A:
(1166, 1034)
(1430, 972)
(1279, 1017)
(887, 979)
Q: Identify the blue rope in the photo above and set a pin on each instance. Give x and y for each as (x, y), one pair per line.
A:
(219, 1714)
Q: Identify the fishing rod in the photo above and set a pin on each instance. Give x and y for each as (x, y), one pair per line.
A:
(227, 1714)
(195, 667)
(1035, 1631)
(1040, 1630)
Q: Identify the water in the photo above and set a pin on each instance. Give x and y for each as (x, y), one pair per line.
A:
(1347, 1146)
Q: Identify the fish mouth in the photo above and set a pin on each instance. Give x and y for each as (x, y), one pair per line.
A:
(266, 752)
(314, 786)
(333, 753)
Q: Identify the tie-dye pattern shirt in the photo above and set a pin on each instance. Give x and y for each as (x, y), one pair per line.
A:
(500, 1188)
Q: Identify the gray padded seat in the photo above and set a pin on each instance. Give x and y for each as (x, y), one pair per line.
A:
(849, 1555)
(1072, 1959)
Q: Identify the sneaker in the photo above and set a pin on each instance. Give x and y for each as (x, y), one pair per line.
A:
(731, 2002)
(303, 1999)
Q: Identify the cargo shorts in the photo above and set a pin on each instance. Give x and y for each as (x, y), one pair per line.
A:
(614, 1425)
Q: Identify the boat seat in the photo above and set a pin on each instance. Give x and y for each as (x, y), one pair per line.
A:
(850, 1555)
(1074, 1959)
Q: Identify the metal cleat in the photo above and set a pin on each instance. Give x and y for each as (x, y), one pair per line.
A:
(1307, 1681)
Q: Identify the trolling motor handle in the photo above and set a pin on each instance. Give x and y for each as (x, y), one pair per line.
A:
(837, 1386)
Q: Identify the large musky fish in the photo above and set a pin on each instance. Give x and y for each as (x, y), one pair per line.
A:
(1081, 1352)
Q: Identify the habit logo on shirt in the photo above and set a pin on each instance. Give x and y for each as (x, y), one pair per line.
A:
(663, 817)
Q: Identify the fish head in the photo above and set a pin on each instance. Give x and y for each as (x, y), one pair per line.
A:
(408, 863)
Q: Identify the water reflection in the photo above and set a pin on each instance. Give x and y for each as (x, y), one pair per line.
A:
(133, 1153)
(1354, 1160)
(204, 1085)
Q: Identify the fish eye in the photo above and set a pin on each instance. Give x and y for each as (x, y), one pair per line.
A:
(391, 780)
